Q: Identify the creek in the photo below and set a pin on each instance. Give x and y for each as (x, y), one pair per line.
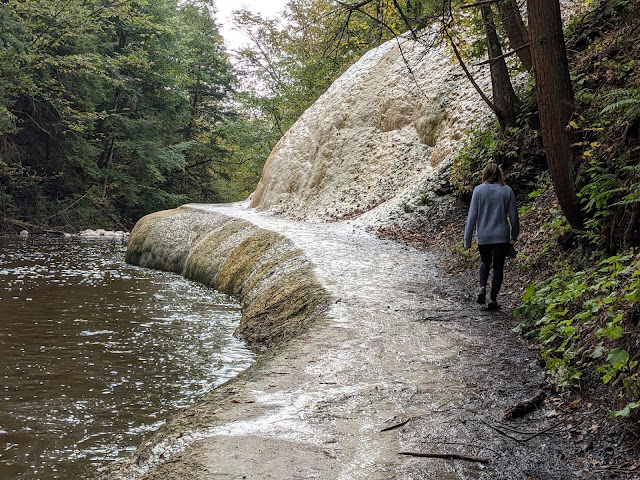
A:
(96, 353)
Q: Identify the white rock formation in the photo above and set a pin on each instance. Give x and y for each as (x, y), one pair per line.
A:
(374, 137)
(102, 233)
(375, 141)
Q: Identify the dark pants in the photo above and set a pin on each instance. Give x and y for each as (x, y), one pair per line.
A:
(495, 253)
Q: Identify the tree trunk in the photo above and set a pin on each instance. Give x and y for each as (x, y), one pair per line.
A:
(555, 100)
(503, 94)
(516, 31)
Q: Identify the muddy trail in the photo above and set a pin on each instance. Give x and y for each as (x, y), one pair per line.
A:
(403, 361)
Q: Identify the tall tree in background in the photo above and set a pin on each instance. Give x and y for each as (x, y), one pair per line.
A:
(504, 97)
(555, 100)
(292, 60)
(207, 78)
(144, 109)
(264, 69)
(516, 31)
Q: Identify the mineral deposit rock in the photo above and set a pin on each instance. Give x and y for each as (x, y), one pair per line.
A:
(365, 147)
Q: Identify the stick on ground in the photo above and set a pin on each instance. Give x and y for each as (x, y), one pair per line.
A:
(397, 425)
(447, 456)
(521, 409)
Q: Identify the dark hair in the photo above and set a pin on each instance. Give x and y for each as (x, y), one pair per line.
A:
(492, 174)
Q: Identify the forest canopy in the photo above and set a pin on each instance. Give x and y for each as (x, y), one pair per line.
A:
(109, 109)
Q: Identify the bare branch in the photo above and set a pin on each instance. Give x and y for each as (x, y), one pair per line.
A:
(479, 4)
(447, 456)
(405, 20)
(355, 6)
(486, 99)
(495, 59)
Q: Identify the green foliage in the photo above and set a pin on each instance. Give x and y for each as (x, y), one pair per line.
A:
(482, 147)
(249, 142)
(468, 257)
(626, 411)
(570, 309)
(627, 101)
(612, 187)
(606, 80)
(119, 102)
(515, 149)
(292, 60)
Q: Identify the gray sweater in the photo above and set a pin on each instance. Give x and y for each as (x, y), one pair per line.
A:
(493, 214)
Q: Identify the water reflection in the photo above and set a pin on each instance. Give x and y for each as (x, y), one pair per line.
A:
(94, 353)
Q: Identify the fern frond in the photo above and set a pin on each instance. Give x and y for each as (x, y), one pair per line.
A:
(628, 103)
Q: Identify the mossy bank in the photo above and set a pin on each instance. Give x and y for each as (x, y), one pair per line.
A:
(271, 277)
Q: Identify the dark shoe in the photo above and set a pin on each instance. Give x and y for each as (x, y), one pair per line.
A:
(493, 306)
(482, 296)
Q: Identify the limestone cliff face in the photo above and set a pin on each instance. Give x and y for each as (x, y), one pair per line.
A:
(374, 137)
(374, 144)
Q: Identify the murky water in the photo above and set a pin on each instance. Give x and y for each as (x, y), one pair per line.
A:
(95, 353)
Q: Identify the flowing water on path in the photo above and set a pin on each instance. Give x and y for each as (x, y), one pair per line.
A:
(96, 353)
(402, 360)
(400, 344)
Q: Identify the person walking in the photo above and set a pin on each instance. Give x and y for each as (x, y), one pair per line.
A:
(494, 216)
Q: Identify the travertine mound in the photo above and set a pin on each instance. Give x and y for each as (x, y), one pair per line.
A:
(273, 279)
(381, 137)
(375, 137)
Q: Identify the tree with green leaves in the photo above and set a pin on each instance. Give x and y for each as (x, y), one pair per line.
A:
(291, 61)
(109, 109)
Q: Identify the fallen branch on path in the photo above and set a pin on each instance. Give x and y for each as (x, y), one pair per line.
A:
(522, 408)
(503, 428)
(447, 456)
(397, 425)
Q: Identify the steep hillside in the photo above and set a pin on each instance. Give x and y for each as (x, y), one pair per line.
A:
(374, 137)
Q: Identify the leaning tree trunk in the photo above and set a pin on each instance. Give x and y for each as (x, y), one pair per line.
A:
(516, 31)
(504, 96)
(555, 100)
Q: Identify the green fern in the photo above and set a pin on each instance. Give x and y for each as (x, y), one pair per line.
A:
(627, 103)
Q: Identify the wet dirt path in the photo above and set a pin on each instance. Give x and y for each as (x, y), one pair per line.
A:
(399, 343)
